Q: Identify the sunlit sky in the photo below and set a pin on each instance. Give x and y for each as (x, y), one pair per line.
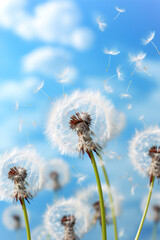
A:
(39, 41)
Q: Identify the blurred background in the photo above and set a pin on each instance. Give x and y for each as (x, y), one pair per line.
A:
(63, 40)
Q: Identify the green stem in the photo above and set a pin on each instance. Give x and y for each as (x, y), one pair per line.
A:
(154, 233)
(26, 219)
(146, 209)
(111, 203)
(103, 217)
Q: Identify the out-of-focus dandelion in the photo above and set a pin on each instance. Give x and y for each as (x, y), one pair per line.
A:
(153, 213)
(20, 177)
(149, 39)
(67, 219)
(40, 233)
(89, 196)
(120, 10)
(13, 218)
(110, 53)
(70, 127)
(39, 88)
(21, 105)
(125, 95)
(101, 24)
(55, 174)
(119, 74)
(144, 152)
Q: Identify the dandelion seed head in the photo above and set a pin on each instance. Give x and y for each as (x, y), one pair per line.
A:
(136, 58)
(13, 218)
(55, 174)
(121, 10)
(19, 170)
(89, 196)
(153, 213)
(149, 38)
(83, 113)
(111, 52)
(62, 211)
(140, 150)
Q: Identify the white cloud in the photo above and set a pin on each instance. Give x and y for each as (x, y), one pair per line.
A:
(48, 61)
(14, 90)
(52, 21)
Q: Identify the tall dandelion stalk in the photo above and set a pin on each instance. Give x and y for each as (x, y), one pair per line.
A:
(26, 220)
(145, 210)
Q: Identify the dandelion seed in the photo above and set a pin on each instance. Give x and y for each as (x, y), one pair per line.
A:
(19, 170)
(108, 89)
(102, 25)
(120, 10)
(55, 174)
(80, 177)
(133, 189)
(149, 40)
(67, 219)
(13, 218)
(124, 95)
(121, 233)
(129, 106)
(39, 88)
(141, 117)
(20, 105)
(110, 53)
(83, 112)
(119, 74)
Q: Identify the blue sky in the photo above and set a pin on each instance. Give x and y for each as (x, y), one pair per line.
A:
(39, 39)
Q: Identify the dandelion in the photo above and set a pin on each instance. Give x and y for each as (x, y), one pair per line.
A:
(110, 53)
(70, 127)
(89, 196)
(56, 174)
(39, 88)
(67, 219)
(137, 60)
(153, 214)
(149, 39)
(120, 10)
(20, 178)
(102, 25)
(13, 218)
(145, 155)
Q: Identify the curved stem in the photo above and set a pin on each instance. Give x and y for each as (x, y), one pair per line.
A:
(111, 202)
(26, 219)
(154, 233)
(103, 217)
(146, 209)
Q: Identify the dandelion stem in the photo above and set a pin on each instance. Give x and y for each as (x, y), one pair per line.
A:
(146, 209)
(155, 47)
(103, 217)
(154, 233)
(46, 94)
(111, 201)
(26, 219)
(117, 16)
(109, 62)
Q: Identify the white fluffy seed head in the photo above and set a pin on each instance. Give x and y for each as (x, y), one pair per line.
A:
(13, 218)
(70, 207)
(56, 165)
(149, 38)
(111, 52)
(139, 148)
(106, 122)
(28, 164)
(153, 213)
(89, 196)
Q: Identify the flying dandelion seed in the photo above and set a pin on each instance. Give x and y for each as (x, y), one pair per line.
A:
(13, 218)
(67, 219)
(108, 89)
(101, 24)
(110, 53)
(80, 177)
(39, 88)
(149, 39)
(133, 187)
(55, 174)
(124, 95)
(121, 233)
(106, 122)
(19, 170)
(21, 105)
(120, 10)
(137, 60)
(89, 196)
(129, 106)
(119, 74)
